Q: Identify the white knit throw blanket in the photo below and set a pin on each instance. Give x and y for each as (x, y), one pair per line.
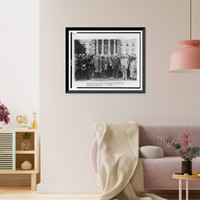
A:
(118, 164)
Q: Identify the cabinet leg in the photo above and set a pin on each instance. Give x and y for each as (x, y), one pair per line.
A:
(33, 181)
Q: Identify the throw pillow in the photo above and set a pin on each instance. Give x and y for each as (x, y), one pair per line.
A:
(151, 152)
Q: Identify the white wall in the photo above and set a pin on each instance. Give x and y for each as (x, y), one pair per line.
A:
(19, 57)
(67, 119)
(19, 62)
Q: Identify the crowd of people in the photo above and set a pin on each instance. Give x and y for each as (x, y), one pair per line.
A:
(88, 67)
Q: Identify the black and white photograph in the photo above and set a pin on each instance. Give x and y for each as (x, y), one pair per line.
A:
(106, 60)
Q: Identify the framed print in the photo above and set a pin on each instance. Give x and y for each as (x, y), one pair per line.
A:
(105, 60)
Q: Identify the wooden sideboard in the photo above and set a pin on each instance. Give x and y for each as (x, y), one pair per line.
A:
(12, 156)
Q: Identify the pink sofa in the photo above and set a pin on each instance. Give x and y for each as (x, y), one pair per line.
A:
(158, 171)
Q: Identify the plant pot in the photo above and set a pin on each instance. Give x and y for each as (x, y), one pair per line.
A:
(26, 145)
(187, 167)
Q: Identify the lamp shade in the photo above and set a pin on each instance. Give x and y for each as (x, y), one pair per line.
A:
(186, 57)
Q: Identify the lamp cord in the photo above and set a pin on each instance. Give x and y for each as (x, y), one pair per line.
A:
(190, 19)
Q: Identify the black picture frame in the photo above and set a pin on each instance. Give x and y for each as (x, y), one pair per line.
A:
(91, 57)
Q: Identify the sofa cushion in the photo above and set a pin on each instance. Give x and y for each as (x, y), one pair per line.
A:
(149, 136)
(151, 152)
(158, 173)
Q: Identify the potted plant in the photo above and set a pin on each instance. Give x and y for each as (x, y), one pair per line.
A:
(185, 150)
(4, 114)
(26, 144)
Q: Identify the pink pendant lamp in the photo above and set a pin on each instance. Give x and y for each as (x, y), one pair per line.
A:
(188, 56)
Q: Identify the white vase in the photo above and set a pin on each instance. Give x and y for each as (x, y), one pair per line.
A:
(26, 165)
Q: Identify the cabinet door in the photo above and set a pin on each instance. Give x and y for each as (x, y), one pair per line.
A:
(7, 151)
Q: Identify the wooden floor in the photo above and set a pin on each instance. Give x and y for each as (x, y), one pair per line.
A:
(23, 193)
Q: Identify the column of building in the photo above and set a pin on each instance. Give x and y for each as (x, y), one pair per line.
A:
(109, 52)
(130, 48)
(87, 46)
(102, 47)
(97, 47)
(115, 47)
(124, 47)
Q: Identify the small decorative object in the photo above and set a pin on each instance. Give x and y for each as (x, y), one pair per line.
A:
(105, 60)
(186, 151)
(34, 123)
(26, 144)
(4, 114)
(22, 120)
(26, 165)
(194, 173)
